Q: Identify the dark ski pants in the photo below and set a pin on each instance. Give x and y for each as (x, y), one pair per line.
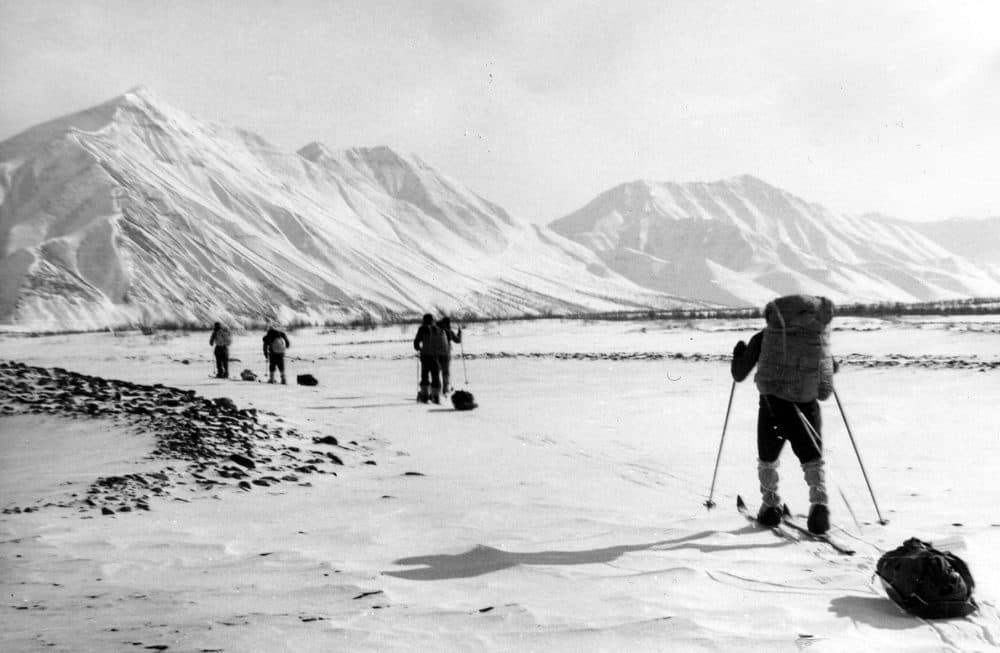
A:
(430, 371)
(222, 361)
(777, 422)
(276, 362)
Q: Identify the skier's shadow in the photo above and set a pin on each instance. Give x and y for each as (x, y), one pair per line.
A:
(483, 559)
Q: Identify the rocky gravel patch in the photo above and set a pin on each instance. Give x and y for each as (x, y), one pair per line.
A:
(205, 443)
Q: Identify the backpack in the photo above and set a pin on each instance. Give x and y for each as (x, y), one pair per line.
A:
(435, 341)
(795, 362)
(927, 582)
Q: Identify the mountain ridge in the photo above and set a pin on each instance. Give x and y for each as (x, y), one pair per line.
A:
(135, 212)
(743, 241)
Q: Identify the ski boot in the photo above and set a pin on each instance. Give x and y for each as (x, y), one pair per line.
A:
(819, 515)
(819, 519)
(769, 516)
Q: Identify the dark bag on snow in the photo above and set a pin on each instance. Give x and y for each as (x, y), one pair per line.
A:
(306, 379)
(927, 582)
(463, 400)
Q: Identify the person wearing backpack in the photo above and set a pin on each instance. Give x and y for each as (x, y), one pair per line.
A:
(221, 339)
(794, 373)
(431, 343)
(275, 344)
(444, 359)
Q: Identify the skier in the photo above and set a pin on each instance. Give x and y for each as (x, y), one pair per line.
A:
(275, 344)
(221, 339)
(794, 370)
(444, 359)
(431, 342)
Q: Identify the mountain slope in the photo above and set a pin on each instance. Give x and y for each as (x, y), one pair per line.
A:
(133, 211)
(977, 239)
(742, 241)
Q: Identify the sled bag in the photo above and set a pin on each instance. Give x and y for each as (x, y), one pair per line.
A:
(927, 582)
(463, 400)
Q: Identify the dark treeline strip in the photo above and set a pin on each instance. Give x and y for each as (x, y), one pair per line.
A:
(367, 321)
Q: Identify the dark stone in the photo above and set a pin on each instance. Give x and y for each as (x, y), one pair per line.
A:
(227, 403)
(306, 379)
(326, 439)
(107, 511)
(242, 460)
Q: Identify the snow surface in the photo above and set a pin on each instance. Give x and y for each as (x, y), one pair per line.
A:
(564, 514)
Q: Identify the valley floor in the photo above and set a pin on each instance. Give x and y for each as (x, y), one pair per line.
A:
(564, 514)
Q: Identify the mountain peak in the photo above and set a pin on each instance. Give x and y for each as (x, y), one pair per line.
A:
(315, 151)
(749, 180)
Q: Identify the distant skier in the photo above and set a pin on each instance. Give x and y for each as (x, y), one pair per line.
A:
(432, 343)
(444, 359)
(221, 339)
(275, 344)
(794, 370)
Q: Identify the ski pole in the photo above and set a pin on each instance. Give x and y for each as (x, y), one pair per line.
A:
(857, 453)
(711, 504)
(465, 372)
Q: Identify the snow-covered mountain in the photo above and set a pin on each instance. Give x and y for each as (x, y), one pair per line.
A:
(742, 241)
(135, 212)
(977, 239)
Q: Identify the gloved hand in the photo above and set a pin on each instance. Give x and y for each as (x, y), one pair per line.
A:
(739, 349)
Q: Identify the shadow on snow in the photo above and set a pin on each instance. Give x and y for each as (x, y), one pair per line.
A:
(483, 559)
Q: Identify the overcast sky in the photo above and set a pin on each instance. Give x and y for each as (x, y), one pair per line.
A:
(538, 106)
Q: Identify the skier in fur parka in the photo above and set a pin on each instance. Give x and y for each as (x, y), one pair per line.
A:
(794, 372)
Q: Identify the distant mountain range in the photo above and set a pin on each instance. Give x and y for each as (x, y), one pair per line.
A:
(133, 212)
(742, 241)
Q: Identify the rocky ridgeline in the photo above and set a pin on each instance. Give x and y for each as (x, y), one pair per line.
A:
(221, 444)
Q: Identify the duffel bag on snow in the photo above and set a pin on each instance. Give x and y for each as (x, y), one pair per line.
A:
(927, 582)
(463, 400)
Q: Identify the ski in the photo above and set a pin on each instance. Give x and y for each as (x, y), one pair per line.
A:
(783, 533)
(789, 521)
